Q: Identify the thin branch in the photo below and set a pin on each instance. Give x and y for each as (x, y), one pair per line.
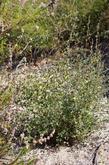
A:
(24, 48)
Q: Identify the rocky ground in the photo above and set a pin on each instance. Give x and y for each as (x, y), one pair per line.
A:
(94, 150)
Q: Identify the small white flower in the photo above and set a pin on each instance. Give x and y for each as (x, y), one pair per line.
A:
(37, 27)
(22, 136)
(43, 5)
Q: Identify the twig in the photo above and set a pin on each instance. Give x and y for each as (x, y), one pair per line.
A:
(95, 154)
(24, 48)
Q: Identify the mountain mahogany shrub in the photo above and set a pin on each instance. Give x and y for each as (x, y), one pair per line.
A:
(63, 98)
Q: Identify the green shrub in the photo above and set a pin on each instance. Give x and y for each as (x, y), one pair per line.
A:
(6, 97)
(33, 25)
(62, 98)
(23, 26)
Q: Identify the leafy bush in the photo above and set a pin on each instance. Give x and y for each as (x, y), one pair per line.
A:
(23, 26)
(5, 98)
(31, 25)
(62, 98)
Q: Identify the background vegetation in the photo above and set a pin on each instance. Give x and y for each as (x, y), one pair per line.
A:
(67, 23)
